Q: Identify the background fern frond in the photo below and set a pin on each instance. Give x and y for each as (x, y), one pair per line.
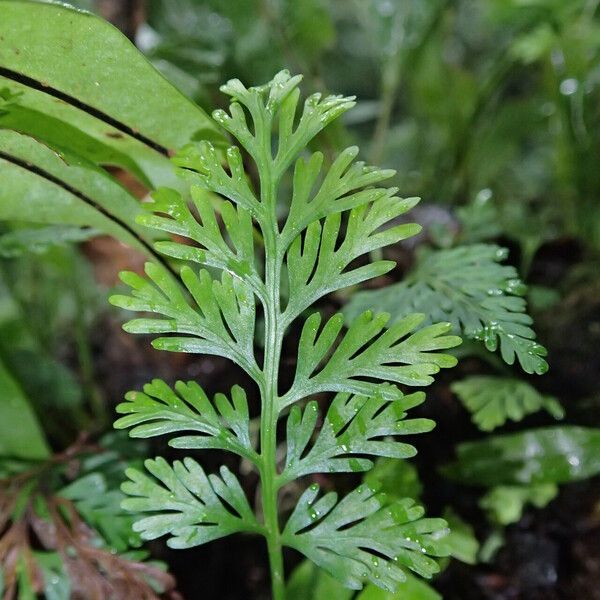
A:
(494, 400)
(547, 455)
(468, 287)
(505, 504)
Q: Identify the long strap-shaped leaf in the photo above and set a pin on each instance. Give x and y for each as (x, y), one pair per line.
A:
(38, 186)
(51, 52)
(21, 435)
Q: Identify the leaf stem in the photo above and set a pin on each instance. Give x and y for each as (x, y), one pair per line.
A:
(268, 444)
(270, 402)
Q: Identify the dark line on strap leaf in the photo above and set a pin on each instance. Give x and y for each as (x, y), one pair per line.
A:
(90, 110)
(89, 201)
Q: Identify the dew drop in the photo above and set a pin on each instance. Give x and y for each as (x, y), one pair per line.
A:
(385, 8)
(483, 196)
(220, 116)
(569, 86)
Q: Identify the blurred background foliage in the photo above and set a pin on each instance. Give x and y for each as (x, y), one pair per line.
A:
(474, 103)
(490, 111)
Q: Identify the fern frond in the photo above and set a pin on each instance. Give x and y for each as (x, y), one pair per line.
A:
(100, 506)
(494, 400)
(341, 189)
(263, 102)
(361, 538)
(354, 427)
(336, 215)
(160, 410)
(505, 504)
(402, 353)
(468, 287)
(202, 164)
(186, 503)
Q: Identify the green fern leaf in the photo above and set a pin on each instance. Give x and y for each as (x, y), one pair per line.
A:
(222, 322)
(547, 455)
(355, 426)
(505, 504)
(341, 190)
(316, 267)
(361, 538)
(186, 503)
(159, 410)
(468, 287)
(234, 252)
(494, 400)
(101, 508)
(201, 163)
(399, 354)
(262, 102)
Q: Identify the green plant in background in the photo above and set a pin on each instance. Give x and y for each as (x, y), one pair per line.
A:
(494, 400)
(468, 287)
(461, 98)
(526, 467)
(63, 532)
(335, 216)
